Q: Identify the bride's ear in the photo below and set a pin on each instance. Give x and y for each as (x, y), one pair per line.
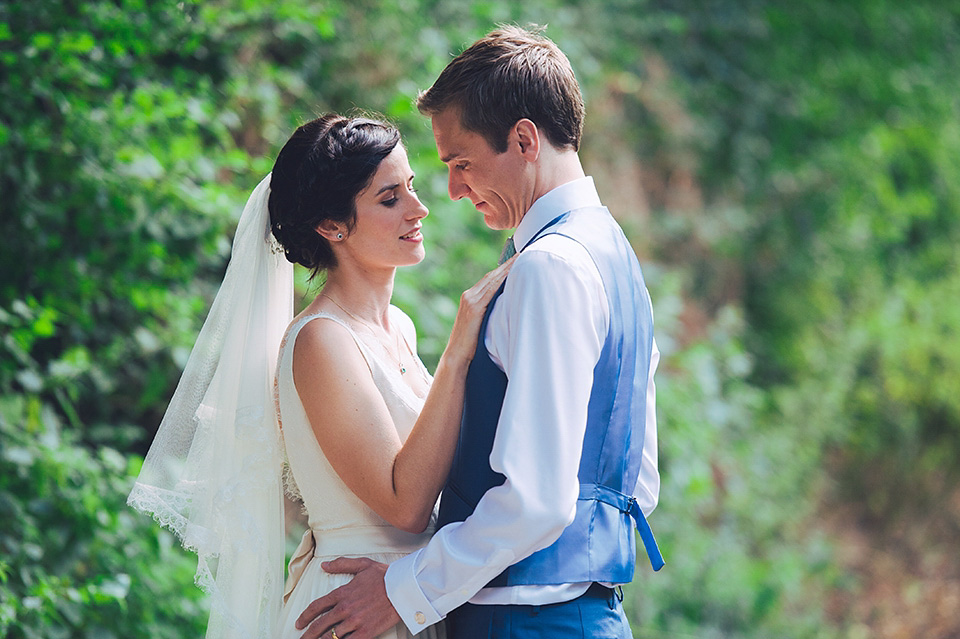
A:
(331, 230)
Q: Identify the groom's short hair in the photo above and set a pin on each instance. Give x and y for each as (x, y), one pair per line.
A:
(510, 74)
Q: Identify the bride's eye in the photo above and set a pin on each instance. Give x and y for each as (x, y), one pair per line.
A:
(390, 201)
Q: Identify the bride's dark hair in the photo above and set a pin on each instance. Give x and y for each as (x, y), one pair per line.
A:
(318, 174)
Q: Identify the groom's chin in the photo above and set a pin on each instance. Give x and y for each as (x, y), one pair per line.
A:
(493, 223)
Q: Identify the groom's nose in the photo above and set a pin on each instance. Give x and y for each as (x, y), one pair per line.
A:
(456, 187)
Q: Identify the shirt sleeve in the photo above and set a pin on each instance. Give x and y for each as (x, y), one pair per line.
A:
(547, 338)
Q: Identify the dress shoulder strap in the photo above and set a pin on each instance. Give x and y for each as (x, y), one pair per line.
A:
(294, 330)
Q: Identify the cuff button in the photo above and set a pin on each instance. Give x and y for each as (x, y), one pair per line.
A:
(421, 619)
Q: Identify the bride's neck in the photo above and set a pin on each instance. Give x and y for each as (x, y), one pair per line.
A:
(365, 294)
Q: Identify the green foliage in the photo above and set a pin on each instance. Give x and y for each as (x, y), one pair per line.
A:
(837, 126)
(834, 126)
(734, 499)
(113, 140)
(76, 562)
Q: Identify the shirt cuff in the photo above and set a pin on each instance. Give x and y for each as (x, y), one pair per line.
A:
(404, 593)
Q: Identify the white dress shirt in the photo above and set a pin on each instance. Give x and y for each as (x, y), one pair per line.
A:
(545, 332)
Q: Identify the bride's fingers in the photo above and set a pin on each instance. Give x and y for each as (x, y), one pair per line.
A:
(496, 275)
(501, 271)
(491, 281)
(479, 295)
(474, 302)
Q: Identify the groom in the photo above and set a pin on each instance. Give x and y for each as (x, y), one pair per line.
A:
(557, 459)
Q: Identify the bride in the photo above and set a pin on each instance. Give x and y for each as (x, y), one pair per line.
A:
(338, 395)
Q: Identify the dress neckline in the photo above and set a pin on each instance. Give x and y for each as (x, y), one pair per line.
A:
(410, 396)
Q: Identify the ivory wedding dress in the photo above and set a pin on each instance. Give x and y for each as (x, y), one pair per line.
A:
(340, 524)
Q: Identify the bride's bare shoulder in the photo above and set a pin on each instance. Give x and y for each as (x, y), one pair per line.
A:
(325, 336)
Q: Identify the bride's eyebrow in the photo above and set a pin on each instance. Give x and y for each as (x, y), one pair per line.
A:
(389, 187)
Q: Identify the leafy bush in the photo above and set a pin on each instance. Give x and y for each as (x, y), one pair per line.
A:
(74, 560)
(112, 214)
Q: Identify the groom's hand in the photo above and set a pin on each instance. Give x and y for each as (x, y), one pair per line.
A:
(357, 610)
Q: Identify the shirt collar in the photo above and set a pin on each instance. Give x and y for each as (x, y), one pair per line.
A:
(573, 195)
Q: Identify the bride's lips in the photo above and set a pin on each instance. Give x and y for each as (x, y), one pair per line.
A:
(413, 236)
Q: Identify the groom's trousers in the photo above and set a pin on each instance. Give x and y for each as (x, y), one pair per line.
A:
(597, 613)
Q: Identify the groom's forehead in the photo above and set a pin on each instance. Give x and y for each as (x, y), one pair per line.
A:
(450, 148)
(452, 139)
(459, 143)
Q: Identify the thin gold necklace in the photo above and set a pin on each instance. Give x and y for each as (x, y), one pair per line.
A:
(369, 325)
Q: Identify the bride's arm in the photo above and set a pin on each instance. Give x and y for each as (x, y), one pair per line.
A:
(400, 482)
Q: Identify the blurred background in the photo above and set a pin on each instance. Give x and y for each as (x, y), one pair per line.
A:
(789, 174)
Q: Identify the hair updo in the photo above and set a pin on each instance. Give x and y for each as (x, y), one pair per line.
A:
(318, 174)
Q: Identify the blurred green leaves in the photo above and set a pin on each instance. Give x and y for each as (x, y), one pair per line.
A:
(76, 561)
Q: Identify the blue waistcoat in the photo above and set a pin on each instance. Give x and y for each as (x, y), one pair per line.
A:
(599, 545)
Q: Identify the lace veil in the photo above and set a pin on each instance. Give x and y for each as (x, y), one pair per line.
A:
(213, 472)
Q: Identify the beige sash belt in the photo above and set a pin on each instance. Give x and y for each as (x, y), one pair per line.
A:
(357, 541)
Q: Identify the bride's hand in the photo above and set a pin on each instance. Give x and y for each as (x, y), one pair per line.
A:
(473, 304)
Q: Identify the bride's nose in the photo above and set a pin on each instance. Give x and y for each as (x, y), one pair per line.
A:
(419, 210)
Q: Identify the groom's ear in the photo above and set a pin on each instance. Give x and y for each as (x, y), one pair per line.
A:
(526, 137)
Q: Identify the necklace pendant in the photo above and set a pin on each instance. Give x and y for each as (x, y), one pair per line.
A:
(403, 369)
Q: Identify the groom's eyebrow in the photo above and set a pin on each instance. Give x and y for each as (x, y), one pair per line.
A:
(450, 156)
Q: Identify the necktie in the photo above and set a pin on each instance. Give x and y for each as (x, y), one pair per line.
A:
(508, 250)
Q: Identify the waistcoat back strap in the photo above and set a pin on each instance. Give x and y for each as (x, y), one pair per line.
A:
(626, 504)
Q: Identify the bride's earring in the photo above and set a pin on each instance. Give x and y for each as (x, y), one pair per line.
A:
(339, 236)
